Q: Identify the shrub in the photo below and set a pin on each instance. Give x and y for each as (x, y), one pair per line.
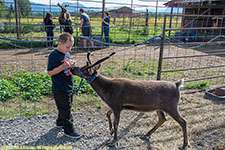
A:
(30, 86)
(85, 87)
(7, 90)
(136, 68)
(197, 85)
(33, 86)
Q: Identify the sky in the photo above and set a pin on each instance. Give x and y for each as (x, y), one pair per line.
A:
(137, 4)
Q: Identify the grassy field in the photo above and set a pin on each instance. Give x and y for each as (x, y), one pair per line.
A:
(120, 31)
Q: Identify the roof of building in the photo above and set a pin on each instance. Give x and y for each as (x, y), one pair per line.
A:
(178, 2)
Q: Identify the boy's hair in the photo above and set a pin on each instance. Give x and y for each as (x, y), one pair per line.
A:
(64, 37)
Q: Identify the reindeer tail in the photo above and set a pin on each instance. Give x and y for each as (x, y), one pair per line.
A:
(180, 83)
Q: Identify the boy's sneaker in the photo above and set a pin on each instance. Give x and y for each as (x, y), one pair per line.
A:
(74, 135)
(59, 125)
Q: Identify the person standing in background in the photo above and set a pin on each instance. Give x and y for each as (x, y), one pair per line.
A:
(68, 24)
(105, 26)
(49, 26)
(62, 17)
(85, 27)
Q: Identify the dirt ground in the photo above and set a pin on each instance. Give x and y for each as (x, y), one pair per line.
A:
(205, 118)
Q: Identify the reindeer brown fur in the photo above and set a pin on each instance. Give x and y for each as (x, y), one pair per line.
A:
(143, 96)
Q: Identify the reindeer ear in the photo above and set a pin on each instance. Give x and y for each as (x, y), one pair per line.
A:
(91, 71)
(94, 69)
(97, 66)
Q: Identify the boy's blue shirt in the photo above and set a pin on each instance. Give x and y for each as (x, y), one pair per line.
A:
(63, 81)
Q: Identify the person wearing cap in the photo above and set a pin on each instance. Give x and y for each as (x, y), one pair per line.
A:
(85, 27)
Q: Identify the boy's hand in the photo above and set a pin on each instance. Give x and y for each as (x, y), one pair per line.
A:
(69, 63)
(72, 63)
(66, 64)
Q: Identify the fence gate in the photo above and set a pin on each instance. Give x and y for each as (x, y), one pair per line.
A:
(193, 50)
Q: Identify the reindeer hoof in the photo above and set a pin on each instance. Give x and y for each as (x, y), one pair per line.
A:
(112, 143)
(184, 147)
(111, 132)
(144, 137)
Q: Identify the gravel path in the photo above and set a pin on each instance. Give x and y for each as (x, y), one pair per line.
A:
(205, 118)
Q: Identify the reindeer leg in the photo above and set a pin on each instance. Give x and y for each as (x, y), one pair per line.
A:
(176, 116)
(115, 124)
(161, 120)
(108, 114)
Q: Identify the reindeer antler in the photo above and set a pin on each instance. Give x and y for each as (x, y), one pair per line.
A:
(101, 60)
(88, 57)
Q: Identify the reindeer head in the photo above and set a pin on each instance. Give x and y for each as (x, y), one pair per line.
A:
(89, 69)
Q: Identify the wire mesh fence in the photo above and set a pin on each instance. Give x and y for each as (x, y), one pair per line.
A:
(190, 47)
(192, 51)
(130, 22)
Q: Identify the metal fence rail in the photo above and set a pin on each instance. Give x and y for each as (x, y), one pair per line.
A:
(169, 56)
(194, 60)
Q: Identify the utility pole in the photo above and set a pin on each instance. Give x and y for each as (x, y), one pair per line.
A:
(50, 5)
(131, 5)
(17, 22)
(156, 13)
(171, 17)
(103, 10)
(156, 16)
(146, 19)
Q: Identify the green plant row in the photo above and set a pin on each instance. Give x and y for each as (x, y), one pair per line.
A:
(203, 85)
(32, 86)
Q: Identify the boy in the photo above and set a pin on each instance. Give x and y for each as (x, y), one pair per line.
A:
(62, 83)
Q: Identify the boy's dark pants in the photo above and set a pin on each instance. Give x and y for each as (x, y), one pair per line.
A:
(64, 103)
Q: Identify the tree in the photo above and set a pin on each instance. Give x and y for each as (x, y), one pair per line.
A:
(4, 9)
(24, 7)
(10, 12)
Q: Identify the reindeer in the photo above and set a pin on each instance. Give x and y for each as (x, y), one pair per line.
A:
(62, 17)
(142, 96)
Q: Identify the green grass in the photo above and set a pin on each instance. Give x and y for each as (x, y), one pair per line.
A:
(134, 69)
(87, 99)
(98, 105)
(139, 67)
(172, 74)
(17, 109)
(203, 85)
(119, 33)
